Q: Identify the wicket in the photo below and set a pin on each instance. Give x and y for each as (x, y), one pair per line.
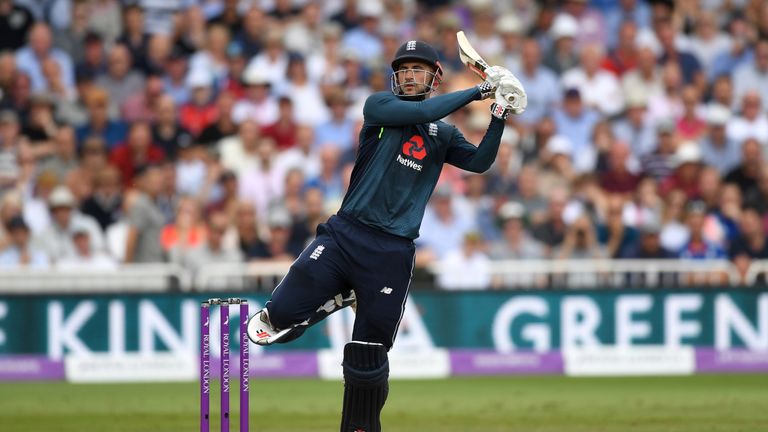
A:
(205, 363)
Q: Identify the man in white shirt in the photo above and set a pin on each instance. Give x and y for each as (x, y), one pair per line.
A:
(599, 88)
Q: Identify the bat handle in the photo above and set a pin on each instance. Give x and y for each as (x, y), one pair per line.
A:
(511, 99)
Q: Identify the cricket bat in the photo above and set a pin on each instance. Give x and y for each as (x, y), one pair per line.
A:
(472, 59)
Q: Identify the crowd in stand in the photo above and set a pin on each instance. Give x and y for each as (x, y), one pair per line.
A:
(200, 131)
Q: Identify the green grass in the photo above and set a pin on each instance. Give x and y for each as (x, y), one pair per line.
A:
(727, 403)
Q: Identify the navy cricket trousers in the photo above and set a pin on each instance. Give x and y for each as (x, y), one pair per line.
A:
(346, 255)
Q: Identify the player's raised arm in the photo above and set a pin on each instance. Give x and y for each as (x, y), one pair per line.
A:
(386, 109)
(478, 159)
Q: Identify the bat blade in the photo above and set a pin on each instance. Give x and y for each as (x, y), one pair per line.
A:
(470, 57)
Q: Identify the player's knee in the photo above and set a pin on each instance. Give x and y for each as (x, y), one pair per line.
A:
(365, 364)
(280, 316)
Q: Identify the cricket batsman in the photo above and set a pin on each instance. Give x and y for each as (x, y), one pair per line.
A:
(365, 253)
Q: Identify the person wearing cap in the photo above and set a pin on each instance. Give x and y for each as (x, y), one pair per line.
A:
(717, 149)
(516, 242)
(278, 247)
(259, 104)
(21, 252)
(633, 126)
(687, 168)
(363, 40)
(561, 56)
(66, 219)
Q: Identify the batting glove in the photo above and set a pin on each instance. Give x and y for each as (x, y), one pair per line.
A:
(501, 112)
(494, 75)
(510, 93)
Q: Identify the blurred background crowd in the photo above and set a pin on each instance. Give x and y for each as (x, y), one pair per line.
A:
(199, 131)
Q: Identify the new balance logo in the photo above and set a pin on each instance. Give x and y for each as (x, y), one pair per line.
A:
(432, 129)
(317, 252)
(386, 290)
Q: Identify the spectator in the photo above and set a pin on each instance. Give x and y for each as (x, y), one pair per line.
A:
(338, 130)
(212, 58)
(302, 156)
(644, 206)
(561, 56)
(167, 133)
(174, 76)
(229, 16)
(516, 243)
(575, 121)
(64, 154)
(145, 218)
(187, 231)
(278, 247)
(752, 123)
(687, 165)
(697, 246)
(94, 60)
(599, 88)
(200, 111)
(106, 202)
(618, 177)
(443, 228)
(745, 175)
(15, 23)
(646, 78)
(539, 81)
(250, 35)
(708, 41)
(612, 233)
(283, 131)
(633, 126)
(691, 125)
(751, 243)
(324, 66)
(120, 80)
(32, 59)
(10, 141)
(329, 179)
(83, 258)
(262, 183)
(668, 104)
(10, 207)
(142, 105)
(753, 76)
(213, 250)
(21, 253)
(71, 39)
(465, 268)
(689, 66)
(99, 124)
(659, 164)
(308, 104)
(591, 22)
(226, 200)
(239, 152)
(648, 244)
(258, 105)
(623, 57)
(363, 40)
(580, 241)
(66, 220)
(271, 62)
(717, 149)
(136, 151)
(224, 126)
(551, 231)
(510, 30)
(304, 35)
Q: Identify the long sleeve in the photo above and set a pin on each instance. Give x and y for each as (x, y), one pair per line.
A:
(386, 109)
(466, 156)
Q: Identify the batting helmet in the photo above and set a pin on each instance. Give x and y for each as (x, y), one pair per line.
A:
(417, 51)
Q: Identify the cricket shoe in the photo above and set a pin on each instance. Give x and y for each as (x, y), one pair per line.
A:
(261, 331)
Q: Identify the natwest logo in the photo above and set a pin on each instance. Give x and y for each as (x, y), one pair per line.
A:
(414, 148)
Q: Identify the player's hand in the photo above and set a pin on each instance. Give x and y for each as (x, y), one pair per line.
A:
(510, 93)
(494, 75)
(500, 111)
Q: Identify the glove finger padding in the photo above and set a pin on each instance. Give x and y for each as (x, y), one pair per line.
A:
(511, 94)
(494, 75)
